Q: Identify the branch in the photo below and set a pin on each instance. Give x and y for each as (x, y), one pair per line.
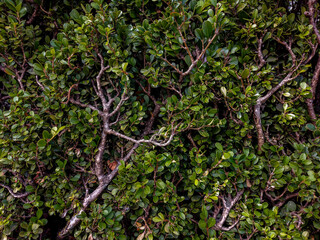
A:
(262, 100)
(150, 141)
(174, 67)
(77, 102)
(185, 43)
(98, 79)
(39, 83)
(74, 221)
(228, 204)
(16, 195)
(18, 74)
(314, 48)
(69, 93)
(34, 14)
(201, 54)
(299, 219)
(122, 100)
(310, 15)
(99, 170)
(147, 92)
(288, 47)
(281, 203)
(260, 55)
(105, 180)
(314, 84)
(193, 62)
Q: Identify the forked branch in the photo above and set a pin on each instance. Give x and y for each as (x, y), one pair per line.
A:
(262, 100)
(99, 163)
(228, 203)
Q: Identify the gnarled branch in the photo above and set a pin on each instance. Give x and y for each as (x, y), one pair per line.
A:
(228, 204)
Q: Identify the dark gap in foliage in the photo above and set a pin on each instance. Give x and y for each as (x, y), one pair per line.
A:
(4, 105)
(54, 225)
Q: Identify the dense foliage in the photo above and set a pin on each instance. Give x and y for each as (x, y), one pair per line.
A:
(159, 119)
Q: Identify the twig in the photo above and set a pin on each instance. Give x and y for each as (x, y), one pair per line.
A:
(33, 15)
(77, 102)
(192, 141)
(260, 55)
(150, 141)
(69, 92)
(41, 86)
(299, 219)
(98, 79)
(16, 195)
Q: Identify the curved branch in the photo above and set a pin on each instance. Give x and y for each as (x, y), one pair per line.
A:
(159, 144)
(15, 195)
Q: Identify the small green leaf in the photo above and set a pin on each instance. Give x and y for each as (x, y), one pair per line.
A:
(207, 29)
(214, 2)
(74, 14)
(35, 226)
(41, 143)
(310, 127)
(204, 133)
(75, 178)
(74, 120)
(291, 17)
(39, 213)
(291, 206)
(95, 5)
(204, 212)
(182, 215)
(316, 224)
(196, 182)
(241, 6)
(27, 206)
(187, 59)
(161, 184)
(157, 219)
(245, 73)
(8, 71)
(202, 225)
(102, 225)
(29, 188)
(211, 222)
(219, 146)
(148, 40)
(196, 108)
(303, 85)
(46, 134)
(167, 227)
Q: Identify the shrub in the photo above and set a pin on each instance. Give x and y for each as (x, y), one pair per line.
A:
(159, 119)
